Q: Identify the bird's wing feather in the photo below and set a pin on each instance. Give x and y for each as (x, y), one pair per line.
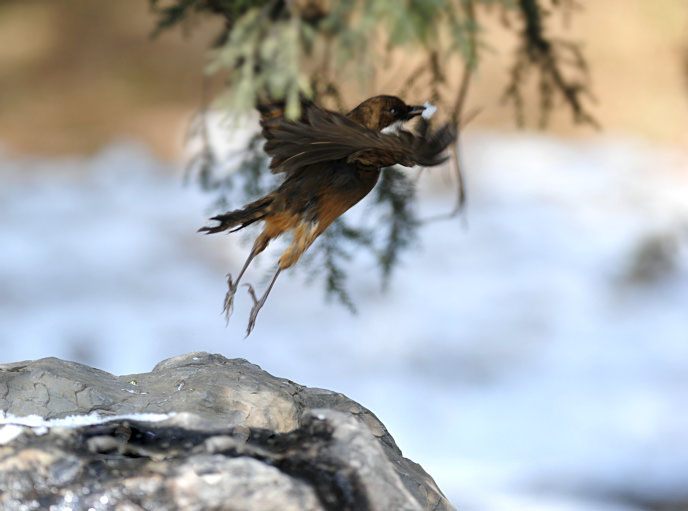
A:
(321, 135)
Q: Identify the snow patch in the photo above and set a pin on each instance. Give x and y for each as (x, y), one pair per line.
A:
(9, 433)
(76, 421)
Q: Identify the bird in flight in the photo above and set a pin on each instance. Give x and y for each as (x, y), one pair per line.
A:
(330, 161)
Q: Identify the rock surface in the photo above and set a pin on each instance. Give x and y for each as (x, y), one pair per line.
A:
(235, 438)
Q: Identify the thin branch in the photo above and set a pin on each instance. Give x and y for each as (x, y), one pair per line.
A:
(544, 54)
(457, 167)
(457, 113)
(413, 78)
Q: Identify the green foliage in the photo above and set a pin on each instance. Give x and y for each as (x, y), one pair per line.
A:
(330, 255)
(172, 13)
(253, 47)
(549, 58)
(284, 49)
(396, 194)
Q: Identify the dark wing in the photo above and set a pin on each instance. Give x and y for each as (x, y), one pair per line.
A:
(322, 136)
(272, 112)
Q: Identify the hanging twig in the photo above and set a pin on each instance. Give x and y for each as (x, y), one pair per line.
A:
(413, 78)
(546, 56)
(457, 168)
(203, 162)
(457, 116)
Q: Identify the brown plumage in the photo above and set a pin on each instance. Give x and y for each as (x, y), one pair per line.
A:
(330, 161)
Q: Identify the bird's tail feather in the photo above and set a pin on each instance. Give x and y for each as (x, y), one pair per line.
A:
(240, 218)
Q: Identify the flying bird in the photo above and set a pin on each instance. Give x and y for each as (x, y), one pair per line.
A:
(330, 161)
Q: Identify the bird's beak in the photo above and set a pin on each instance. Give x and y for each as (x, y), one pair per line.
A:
(414, 111)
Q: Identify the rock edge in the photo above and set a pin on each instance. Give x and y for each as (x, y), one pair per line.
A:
(240, 439)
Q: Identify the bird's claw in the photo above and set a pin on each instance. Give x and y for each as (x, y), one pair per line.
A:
(228, 306)
(257, 305)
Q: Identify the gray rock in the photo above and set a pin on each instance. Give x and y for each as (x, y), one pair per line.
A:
(239, 439)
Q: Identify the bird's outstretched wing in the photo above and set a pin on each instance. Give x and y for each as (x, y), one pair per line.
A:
(272, 112)
(321, 135)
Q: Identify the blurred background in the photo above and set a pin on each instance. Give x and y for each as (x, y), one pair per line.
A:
(529, 354)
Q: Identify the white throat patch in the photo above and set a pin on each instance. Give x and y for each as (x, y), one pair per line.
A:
(393, 128)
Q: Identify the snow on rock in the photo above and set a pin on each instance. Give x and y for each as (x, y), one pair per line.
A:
(77, 421)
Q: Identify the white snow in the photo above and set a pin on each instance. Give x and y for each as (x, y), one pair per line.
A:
(515, 360)
(9, 433)
(76, 421)
(13, 424)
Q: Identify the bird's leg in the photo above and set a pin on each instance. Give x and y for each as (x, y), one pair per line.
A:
(228, 306)
(258, 304)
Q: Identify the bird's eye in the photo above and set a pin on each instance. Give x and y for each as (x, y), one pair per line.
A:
(393, 111)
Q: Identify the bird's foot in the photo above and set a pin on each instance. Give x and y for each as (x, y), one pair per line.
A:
(257, 305)
(228, 306)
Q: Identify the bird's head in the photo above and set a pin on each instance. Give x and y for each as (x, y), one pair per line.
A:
(380, 112)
